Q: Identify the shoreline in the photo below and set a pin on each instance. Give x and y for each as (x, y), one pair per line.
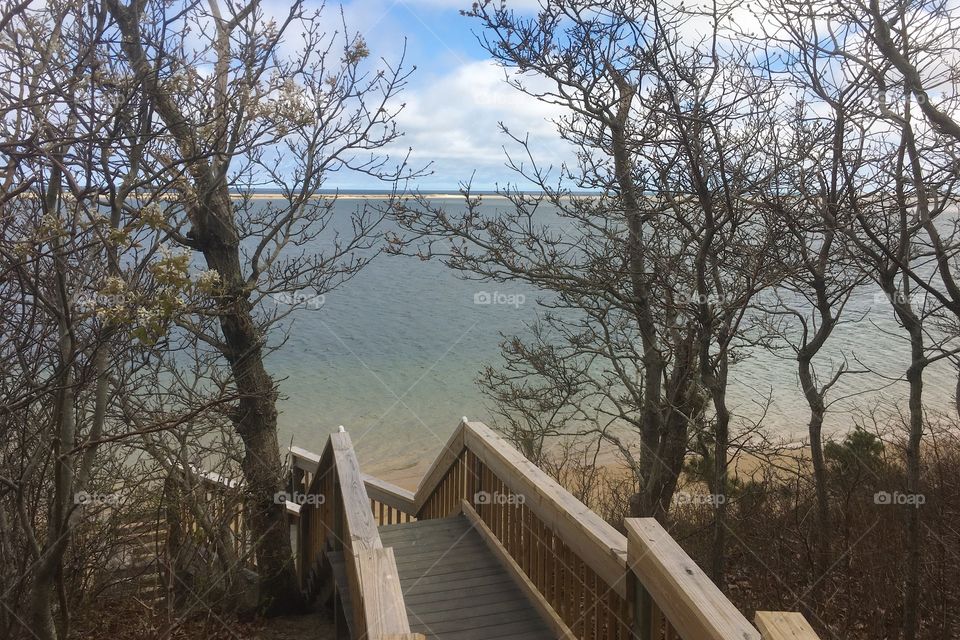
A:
(744, 465)
(361, 196)
(438, 195)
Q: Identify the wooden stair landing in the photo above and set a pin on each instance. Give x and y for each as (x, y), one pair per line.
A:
(454, 588)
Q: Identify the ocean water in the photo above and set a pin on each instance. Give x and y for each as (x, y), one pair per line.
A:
(393, 356)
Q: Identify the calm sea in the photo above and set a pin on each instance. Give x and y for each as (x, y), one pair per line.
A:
(393, 356)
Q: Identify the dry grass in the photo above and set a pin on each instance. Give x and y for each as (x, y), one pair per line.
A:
(772, 531)
(127, 620)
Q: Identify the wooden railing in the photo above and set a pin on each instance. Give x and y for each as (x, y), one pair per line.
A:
(390, 504)
(674, 597)
(210, 510)
(588, 579)
(572, 558)
(335, 518)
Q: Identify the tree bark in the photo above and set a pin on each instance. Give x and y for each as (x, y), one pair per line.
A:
(255, 417)
(214, 233)
(815, 426)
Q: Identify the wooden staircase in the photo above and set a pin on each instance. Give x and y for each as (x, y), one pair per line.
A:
(454, 587)
(489, 546)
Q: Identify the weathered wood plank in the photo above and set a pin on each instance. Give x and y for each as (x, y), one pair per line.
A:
(424, 548)
(361, 526)
(383, 606)
(784, 625)
(452, 595)
(413, 529)
(464, 619)
(434, 567)
(493, 591)
(501, 611)
(413, 587)
(691, 602)
(389, 494)
(586, 533)
(305, 460)
(540, 604)
(504, 632)
(461, 595)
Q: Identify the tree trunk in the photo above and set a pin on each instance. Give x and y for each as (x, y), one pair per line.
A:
(817, 412)
(721, 444)
(657, 464)
(911, 592)
(215, 235)
(63, 436)
(255, 417)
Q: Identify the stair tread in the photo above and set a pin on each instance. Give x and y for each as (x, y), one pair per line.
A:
(454, 588)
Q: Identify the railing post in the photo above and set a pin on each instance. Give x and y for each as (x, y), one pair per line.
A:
(296, 480)
(473, 477)
(784, 625)
(641, 608)
(303, 544)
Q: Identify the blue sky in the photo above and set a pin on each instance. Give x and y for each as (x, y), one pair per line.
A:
(456, 96)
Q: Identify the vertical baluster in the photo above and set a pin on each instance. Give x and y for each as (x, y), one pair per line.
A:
(514, 534)
(581, 596)
(551, 561)
(494, 512)
(504, 509)
(520, 536)
(538, 538)
(563, 581)
(656, 621)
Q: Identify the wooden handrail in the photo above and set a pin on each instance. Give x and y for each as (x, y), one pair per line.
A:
(589, 535)
(572, 543)
(784, 625)
(685, 596)
(359, 526)
(384, 610)
(336, 516)
(304, 459)
(575, 559)
(579, 526)
(600, 583)
(390, 494)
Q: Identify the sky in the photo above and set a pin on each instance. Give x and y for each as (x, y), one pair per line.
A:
(455, 98)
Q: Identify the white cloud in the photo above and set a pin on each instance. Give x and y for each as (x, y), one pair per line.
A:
(454, 119)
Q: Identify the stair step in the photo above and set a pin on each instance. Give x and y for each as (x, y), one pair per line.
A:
(454, 588)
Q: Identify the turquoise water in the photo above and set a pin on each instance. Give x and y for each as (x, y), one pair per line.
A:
(393, 356)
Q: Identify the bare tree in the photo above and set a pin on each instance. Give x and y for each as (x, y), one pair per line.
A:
(260, 116)
(900, 172)
(647, 284)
